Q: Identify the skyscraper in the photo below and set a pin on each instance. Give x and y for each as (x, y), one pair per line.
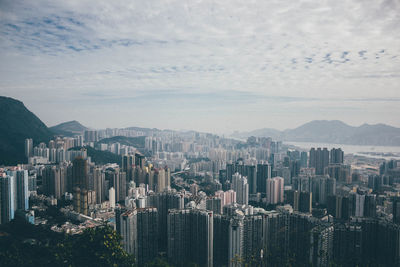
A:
(303, 159)
(190, 237)
(319, 159)
(80, 173)
(305, 202)
(253, 238)
(22, 193)
(28, 148)
(7, 198)
(80, 181)
(127, 162)
(251, 174)
(396, 210)
(322, 188)
(275, 190)
(236, 241)
(321, 250)
(129, 231)
(139, 160)
(263, 173)
(139, 231)
(241, 187)
(336, 156)
(169, 199)
(98, 184)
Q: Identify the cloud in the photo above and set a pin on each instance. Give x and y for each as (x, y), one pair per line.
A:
(256, 57)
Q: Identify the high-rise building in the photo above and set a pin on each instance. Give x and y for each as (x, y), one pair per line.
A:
(357, 202)
(303, 159)
(7, 198)
(164, 201)
(236, 241)
(139, 231)
(127, 163)
(263, 173)
(190, 237)
(396, 210)
(275, 190)
(147, 227)
(91, 136)
(370, 206)
(375, 182)
(322, 188)
(99, 185)
(276, 228)
(21, 192)
(253, 239)
(129, 231)
(214, 204)
(226, 197)
(28, 148)
(251, 174)
(80, 173)
(305, 202)
(139, 160)
(339, 207)
(336, 156)
(319, 159)
(321, 250)
(347, 244)
(55, 181)
(340, 172)
(111, 197)
(221, 239)
(80, 181)
(241, 187)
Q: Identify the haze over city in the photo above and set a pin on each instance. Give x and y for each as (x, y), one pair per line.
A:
(207, 66)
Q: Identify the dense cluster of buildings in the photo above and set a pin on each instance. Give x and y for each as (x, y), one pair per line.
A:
(198, 198)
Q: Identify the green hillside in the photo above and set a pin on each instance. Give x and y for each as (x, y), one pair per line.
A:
(16, 124)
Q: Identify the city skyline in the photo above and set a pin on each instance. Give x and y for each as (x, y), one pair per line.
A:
(211, 67)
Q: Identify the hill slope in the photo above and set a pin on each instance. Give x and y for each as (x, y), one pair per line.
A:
(16, 124)
(335, 132)
(69, 128)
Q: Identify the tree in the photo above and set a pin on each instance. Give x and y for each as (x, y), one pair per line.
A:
(100, 246)
(22, 244)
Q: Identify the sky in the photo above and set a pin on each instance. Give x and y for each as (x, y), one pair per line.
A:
(214, 66)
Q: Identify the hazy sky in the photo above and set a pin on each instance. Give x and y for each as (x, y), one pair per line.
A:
(213, 66)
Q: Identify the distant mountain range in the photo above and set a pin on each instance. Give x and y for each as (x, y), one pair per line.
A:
(334, 132)
(69, 128)
(16, 124)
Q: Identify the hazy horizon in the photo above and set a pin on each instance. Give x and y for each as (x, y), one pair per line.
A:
(204, 66)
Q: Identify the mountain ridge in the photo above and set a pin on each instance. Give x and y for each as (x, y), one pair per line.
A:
(16, 124)
(69, 128)
(333, 131)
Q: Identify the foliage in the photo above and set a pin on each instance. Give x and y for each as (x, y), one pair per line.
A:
(16, 124)
(100, 157)
(37, 246)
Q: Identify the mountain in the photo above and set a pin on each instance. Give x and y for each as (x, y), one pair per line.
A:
(16, 124)
(334, 132)
(69, 128)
